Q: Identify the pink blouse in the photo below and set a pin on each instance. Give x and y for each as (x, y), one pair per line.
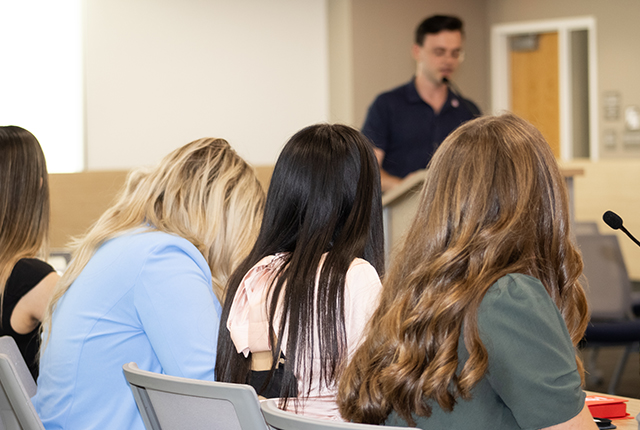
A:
(248, 324)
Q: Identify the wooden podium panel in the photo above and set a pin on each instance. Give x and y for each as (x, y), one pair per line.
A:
(400, 205)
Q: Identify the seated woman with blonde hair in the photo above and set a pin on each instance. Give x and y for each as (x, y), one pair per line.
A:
(145, 285)
(26, 282)
(482, 308)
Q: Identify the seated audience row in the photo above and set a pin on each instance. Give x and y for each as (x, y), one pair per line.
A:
(476, 325)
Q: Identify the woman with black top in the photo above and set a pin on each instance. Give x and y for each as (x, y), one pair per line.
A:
(25, 281)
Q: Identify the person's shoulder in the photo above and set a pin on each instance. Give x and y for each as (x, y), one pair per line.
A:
(360, 263)
(159, 238)
(25, 275)
(396, 93)
(361, 272)
(164, 254)
(471, 105)
(33, 264)
(159, 242)
(471, 108)
(516, 286)
(514, 305)
(400, 89)
(517, 294)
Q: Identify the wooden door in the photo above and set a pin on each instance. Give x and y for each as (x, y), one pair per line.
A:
(535, 87)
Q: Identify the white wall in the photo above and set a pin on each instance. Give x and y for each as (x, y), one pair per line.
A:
(160, 73)
(41, 76)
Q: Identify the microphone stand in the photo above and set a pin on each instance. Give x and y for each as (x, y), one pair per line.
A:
(456, 92)
(630, 235)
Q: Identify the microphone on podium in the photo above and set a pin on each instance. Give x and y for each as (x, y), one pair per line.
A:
(614, 221)
(456, 92)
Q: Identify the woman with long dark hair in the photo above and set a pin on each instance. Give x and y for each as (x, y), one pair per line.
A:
(482, 308)
(297, 306)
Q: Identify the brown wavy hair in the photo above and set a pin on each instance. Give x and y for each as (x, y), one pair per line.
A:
(494, 203)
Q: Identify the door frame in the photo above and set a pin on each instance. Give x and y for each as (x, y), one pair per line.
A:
(501, 79)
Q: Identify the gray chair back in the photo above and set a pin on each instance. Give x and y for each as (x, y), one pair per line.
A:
(283, 420)
(16, 410)
(608, 287)
(172, 403)
(585, 227)
(608, 291)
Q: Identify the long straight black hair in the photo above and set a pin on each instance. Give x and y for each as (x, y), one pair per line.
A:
(324, 197)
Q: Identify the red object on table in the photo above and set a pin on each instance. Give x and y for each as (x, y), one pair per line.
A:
(607, 407)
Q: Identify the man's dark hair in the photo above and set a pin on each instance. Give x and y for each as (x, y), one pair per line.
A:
(437, 23)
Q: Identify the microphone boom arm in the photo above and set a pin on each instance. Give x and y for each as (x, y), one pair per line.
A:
(456, 92)
(630, 235)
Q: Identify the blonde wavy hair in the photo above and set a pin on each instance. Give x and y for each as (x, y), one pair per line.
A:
(24, 200)
(494, 203)
(203, 192)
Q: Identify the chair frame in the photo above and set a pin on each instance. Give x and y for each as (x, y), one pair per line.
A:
(282, 420)
(18, 387)
(243, 397)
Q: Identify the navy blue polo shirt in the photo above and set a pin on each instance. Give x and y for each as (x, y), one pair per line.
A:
(407, 129)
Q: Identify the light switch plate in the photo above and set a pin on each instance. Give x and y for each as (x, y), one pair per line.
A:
(611, 103)
(632, 118)
(609, 138)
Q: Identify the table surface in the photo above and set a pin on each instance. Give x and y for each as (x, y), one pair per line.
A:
(633, 409)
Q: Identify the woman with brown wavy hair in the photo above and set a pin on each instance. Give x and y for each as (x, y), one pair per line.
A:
(482, 307)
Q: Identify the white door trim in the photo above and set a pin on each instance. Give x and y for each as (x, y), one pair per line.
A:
(501, 80)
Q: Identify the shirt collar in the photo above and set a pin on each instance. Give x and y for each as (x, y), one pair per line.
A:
(412, 92)
(413, 97)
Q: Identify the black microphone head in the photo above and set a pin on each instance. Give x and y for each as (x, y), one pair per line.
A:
(612, 219)
(445, 80)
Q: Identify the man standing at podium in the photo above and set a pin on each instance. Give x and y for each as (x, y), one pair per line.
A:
(408, 123)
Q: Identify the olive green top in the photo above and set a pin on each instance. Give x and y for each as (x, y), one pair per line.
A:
(532, 380)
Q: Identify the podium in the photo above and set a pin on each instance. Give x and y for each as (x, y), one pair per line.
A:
(400, 204)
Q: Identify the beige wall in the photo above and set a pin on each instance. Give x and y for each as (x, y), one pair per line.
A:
(378, 35)
(611, 185)
(340, 61)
